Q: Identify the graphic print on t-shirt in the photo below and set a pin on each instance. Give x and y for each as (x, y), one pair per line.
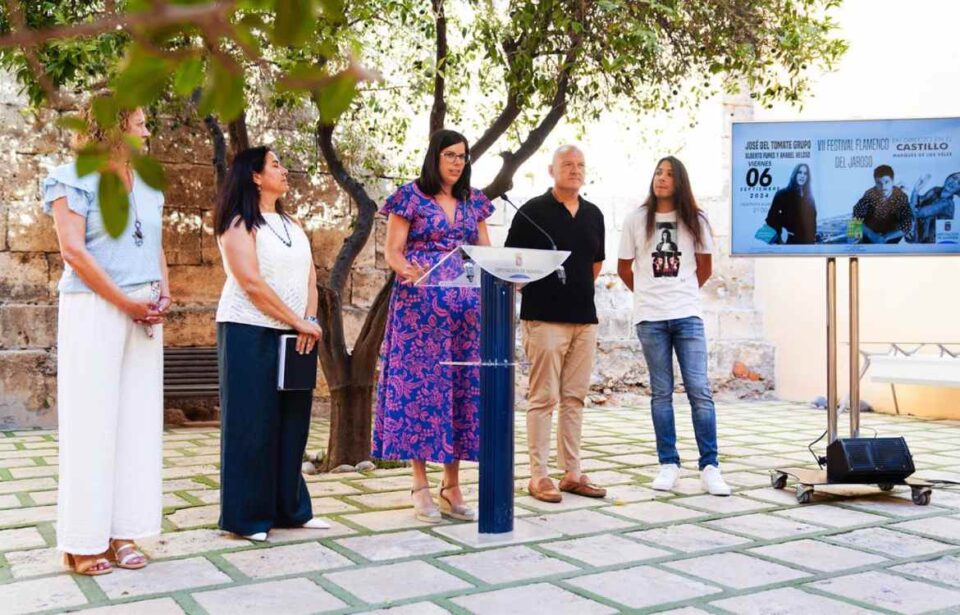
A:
(666, 258)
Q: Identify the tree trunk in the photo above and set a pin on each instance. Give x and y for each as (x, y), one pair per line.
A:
(349, 425)
(239, 140)
(219, 148)
(438, 114)
(350, 376)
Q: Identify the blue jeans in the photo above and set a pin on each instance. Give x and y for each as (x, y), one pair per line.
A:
(685, 336)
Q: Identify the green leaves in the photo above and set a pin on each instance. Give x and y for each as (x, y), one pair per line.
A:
(332, 8)
(295, 21)
(114, 206)
(91, 159)
(72, 122)
(151, 172)
(217, 51)
(336, 97)
(114, 202)
(188, 76)
(106, 110)
(143, 78)
(212, 52)
(223, 93)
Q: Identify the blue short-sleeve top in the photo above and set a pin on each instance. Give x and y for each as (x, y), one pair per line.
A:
(129, 265)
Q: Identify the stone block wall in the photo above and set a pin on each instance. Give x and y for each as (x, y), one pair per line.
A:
(734, 327)
(30, 264)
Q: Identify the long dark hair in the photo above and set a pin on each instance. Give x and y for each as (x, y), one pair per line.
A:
(430, 181)
(687, 211)
(239, 198)
(954, 176)
(806, 190)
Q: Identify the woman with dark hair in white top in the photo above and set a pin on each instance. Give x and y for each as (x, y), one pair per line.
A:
(271, 289)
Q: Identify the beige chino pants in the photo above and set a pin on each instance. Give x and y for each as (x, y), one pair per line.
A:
(561, 360)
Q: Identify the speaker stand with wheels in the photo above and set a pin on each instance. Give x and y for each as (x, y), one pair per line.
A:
(884, 462)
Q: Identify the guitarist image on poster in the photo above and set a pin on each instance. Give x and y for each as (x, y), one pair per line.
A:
(666, 259)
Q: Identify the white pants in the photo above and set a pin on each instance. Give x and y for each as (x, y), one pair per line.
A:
(110, 410)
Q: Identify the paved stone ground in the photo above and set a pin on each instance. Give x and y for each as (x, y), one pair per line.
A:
(638, 551)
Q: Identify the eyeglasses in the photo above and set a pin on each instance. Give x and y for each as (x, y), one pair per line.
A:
(451, 157)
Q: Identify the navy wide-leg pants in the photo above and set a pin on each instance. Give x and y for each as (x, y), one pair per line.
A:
(263, 435)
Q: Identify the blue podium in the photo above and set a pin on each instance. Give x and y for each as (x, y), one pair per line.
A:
(496, 272)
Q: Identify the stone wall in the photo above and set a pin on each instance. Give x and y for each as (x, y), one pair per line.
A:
(30, 265)
(734, 326)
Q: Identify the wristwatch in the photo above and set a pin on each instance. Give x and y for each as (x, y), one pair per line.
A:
(312, 319)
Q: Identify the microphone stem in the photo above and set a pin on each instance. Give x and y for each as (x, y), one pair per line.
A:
(561, 272)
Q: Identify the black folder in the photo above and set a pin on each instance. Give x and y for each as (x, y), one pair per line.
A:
(297, 372)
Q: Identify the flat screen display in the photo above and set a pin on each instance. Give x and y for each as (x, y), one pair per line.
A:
(846, 188)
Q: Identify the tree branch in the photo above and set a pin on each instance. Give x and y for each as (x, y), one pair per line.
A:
(366, 208)
(509, 113)
(54, 95)
(529, 40)
(512, 160)
(438, 113)
(159, 15)
(219, 148)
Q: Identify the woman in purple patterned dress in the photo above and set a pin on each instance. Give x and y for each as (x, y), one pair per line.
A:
(428, 411)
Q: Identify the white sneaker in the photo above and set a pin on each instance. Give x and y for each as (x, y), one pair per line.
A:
(258, 537)
(667, 478)
(713, 482)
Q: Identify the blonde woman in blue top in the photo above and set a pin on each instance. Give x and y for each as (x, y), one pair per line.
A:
(113, 296)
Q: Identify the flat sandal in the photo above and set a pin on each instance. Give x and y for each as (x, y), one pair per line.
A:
(131, 551)
(87, 567)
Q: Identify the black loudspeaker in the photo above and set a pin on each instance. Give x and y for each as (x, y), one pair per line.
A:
(869, 460)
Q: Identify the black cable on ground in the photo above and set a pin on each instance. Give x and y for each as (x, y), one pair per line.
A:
(810, 448)
(951, 483)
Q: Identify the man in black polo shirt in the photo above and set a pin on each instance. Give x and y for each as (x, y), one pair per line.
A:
(560, 322)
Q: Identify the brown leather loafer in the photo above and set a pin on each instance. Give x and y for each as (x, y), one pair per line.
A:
(544, 490)
(584, 487)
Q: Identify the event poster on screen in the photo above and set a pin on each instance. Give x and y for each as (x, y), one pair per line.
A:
(863, 187)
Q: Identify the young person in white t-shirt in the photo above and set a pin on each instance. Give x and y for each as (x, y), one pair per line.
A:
(669, 239)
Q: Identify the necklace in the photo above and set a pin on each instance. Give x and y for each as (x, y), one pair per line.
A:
(137, 230)
(288, 241)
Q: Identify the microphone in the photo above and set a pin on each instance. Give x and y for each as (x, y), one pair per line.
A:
(560, 271)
